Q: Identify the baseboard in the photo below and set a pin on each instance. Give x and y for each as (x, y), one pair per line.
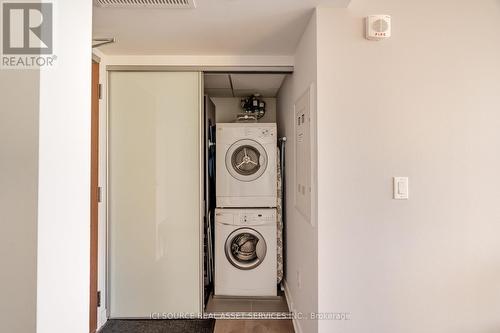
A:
(102, 319)
(291, 307)
(261, 298)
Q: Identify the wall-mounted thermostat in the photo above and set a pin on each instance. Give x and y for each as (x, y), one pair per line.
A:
(378, 27)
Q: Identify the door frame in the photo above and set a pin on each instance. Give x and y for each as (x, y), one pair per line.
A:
(94, 198)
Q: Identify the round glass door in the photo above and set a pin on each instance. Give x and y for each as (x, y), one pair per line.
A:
(245, 248)
(246, 160)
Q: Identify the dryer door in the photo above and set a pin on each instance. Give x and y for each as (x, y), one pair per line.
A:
(245, 248)
(246, 160)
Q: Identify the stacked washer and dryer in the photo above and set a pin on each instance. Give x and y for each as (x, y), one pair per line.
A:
(245, 217)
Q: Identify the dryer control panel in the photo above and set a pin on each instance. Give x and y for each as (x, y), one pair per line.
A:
(232, 132)
(265, 132)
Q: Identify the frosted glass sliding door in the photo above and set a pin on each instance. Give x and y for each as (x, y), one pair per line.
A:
(154, 193)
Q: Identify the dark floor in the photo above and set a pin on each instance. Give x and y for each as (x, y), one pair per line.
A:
(158, 326)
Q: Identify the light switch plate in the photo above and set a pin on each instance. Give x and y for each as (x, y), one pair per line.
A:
(401, 190)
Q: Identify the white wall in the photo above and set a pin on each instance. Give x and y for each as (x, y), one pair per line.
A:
(424, 104)
(64, 175)
(301, 237)
(18, 198)
(226, 109)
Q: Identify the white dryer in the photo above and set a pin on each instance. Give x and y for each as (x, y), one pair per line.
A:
(246, 165)
(245, 252)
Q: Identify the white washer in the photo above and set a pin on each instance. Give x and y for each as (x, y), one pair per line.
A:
(245, 252)
(246, 165)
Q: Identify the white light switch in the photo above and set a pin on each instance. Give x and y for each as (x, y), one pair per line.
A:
(401, 188)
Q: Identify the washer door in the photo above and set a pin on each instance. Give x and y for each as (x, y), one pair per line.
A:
(245, 248)
(246, 160)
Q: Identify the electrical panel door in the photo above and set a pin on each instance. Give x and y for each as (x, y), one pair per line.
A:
(303, 155)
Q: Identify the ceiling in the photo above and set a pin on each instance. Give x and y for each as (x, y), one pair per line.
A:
(242, 85)
(214, 27)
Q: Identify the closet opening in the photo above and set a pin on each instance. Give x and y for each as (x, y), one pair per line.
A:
(244, 243)
(196, 191)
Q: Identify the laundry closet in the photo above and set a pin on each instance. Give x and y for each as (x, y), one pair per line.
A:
(196, 178)
(244, 198)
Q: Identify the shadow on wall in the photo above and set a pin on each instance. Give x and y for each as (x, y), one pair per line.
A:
(291, 27)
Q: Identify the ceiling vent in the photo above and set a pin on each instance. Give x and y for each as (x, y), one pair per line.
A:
(175, 4)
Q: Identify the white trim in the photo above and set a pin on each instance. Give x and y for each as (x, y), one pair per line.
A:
(99, 57)
(201, 68)
(102, 317)
(313, 113)
(102, 260)
(107, 198)
(291, 307)
(201, 184)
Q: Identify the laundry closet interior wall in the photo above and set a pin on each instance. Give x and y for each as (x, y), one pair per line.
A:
(225, 96)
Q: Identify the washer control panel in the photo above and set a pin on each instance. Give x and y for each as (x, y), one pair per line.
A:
(256, 218)
(245, 216)
(224, 218)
